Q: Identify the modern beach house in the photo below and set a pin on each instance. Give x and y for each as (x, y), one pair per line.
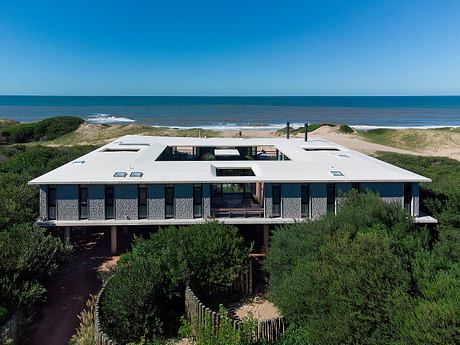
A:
(253, 183)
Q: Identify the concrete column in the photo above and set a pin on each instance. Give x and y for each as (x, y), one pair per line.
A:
(67, 235)
(266, 237)
(113, 239)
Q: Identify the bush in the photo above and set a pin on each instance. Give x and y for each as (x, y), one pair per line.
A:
(367, 275)
(345, 278)
(144, 296)
(28, 257)
(47, 129)
(346, 129)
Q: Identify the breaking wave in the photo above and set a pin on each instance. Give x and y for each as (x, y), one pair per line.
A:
(108, 118)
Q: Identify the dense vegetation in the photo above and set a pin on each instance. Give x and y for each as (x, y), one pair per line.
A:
(28, 255)
(144, 295)
(47, 129)
(369, 275)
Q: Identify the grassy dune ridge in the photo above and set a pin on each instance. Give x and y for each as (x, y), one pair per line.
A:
(436, 142)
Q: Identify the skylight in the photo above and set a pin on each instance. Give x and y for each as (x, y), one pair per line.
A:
(136, 174)
(321, 149)
(336, 173)
(120, 149)
(234, 172)
(120, 174)
(78, 162)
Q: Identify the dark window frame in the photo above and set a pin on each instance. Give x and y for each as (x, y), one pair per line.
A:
(51, 203)
(109, 202)
(276, 200)
(142, 202)
(331, 198)
(197, 201)
(408, 197)
(170, 211)
(83, 202)
(305, 200)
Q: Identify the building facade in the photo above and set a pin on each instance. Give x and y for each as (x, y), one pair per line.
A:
(139, 180)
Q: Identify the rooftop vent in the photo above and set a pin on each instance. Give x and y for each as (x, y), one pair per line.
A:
(344, 156)
(136, 174)
(120, 174)
(336, 173)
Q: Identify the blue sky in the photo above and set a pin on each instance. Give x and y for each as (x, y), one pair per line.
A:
(229, 47)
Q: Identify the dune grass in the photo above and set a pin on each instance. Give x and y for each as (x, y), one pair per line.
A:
(413, 139)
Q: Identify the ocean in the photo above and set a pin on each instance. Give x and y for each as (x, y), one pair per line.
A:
(241, 112)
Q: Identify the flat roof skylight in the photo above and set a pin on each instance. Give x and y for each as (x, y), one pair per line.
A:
(134, 144)
(120, 174)
(120, 149)
(234, 172)
(136, 174)
(321, 149)
(336, 173)
(78, 162)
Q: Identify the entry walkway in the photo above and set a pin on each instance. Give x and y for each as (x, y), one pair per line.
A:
(68, 293)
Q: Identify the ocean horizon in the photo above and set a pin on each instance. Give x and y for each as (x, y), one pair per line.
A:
(241, 112)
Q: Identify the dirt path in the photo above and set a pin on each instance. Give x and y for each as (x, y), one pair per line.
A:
(67, 295)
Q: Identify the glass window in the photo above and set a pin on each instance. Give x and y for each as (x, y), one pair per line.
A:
(52, 203)
(305, 200)
(169, 201)
(197, 201)
(355, 186)
(408, 197)
(276, 200)
(83, 199)
(331, 198)
(142, 202)
(109, 202)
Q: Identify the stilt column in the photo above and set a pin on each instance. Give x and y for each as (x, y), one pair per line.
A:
(67, 235)
(113, 239)
(266, 238)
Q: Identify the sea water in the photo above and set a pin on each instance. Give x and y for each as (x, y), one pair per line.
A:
(241, 112)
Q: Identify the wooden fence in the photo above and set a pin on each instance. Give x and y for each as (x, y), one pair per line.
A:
(196, 311)
(244, 281)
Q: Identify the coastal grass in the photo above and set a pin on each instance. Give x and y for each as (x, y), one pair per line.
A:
(413, 139)
(101, 134)
(46, 129)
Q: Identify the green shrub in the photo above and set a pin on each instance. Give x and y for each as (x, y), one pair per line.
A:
(28, 257)
(346, 129)
(47, 129)
(144, 296)
(139, 301)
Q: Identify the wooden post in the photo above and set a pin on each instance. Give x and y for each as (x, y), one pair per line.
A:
(113, 239)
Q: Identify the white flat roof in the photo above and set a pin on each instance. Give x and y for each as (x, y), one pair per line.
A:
(312, 161)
